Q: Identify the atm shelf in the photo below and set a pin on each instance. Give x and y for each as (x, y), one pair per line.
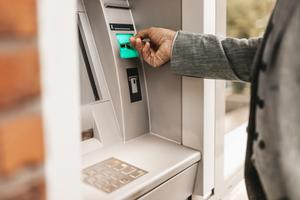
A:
(162, 160)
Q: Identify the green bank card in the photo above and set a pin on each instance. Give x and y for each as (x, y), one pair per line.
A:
(126, 49)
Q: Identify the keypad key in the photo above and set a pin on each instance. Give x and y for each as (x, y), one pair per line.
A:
(108, 188)
(106, 172)
(112, 163)
(137, 174)
(128, 170)
(91, 172)
(116, 183)
(120, 167)
(90, 180)
(124, 180)
(99, 184)
(111, 174)
(84, 176)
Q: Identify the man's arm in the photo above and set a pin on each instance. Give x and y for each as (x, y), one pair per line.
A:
(198, 55)
(207, 56)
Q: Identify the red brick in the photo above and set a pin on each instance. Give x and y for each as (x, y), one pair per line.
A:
(18, 18)
(21, 143)
(19, 74)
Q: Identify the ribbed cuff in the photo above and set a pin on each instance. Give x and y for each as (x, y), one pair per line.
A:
(174, 43)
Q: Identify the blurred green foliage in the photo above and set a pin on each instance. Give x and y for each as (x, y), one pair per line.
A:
(247, 18)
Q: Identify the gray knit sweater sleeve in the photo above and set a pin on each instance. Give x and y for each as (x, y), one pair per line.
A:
(208, 56)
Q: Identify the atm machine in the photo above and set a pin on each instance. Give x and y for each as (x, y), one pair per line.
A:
(131, 113)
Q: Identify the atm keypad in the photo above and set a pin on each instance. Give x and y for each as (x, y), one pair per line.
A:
(111, 174)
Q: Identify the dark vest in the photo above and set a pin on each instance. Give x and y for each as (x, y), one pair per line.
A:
(253, 183)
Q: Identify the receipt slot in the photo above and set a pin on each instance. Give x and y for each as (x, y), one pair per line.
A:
(126, 50)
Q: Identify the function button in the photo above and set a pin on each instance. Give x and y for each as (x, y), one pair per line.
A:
(124, 165)
(99, 184)
(137, 174)
(84, 176)
(128, 170)
(90, 180)
(108, 188)
(120, 167)
(106, 172)
(124, 180)
(112, 163)
(116, 183)
(99, 177)
(103, 181)
(116, 176)
(91, 172)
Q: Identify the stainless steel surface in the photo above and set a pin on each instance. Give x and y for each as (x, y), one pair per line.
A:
(105, 122)
(160, 158)
(111, 174)
(132, 117)
(161, 101)
(179, 187)
(79, 6)
(199, 100)
(157, 13)
(93, 57)
(86, 93)
(164, 87)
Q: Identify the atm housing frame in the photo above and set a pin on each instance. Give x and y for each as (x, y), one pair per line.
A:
(66, 11)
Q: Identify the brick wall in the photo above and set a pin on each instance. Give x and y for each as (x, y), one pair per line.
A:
(21, 127)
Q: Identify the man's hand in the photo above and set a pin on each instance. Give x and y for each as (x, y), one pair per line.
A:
(156, 51)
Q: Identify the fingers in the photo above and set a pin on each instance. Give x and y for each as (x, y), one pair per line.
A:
(132, 41)
(145, 33)
(139, 45)
(156, 53)
(136, 41)
(152, 57)
(162, 55)
(146, 52)
(146, 48)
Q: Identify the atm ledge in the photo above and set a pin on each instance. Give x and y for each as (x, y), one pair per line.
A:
(161, 159)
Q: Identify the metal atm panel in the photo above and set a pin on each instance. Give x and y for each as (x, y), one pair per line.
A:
(132, 117)
(165, 116)
(143, 105)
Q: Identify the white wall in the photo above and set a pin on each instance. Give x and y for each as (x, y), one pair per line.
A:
(60, 98)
